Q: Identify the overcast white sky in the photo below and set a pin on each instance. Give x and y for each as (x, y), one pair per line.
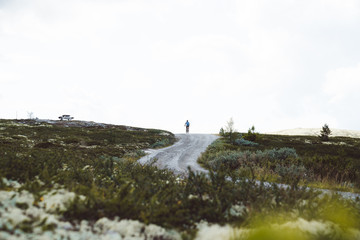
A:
(276, 64)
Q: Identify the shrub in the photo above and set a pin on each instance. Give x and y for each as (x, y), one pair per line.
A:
(160, 144)
(228, 159)
(335, 168)
(291, 174)
(258, 164)
(233, 159)
(280, 154)
(251, 135)
(244, 142)
(216, 146)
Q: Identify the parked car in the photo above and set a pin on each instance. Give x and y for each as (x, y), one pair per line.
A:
(66, 117)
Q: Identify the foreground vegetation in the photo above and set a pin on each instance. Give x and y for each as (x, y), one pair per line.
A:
(96, 168)
(304, 160)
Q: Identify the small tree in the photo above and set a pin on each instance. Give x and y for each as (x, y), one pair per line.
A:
(325, 133)
(230, 126)
(229, 131)
(222, 132)
(30, 115)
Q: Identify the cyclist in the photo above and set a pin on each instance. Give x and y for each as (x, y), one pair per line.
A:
(187, 124)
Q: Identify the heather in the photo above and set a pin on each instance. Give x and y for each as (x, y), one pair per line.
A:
(305, 160)
(68, 180)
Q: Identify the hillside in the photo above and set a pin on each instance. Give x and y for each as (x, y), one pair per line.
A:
(46, 165)
(288, 156)
(81, 180)
(80, 137)
(316, 132)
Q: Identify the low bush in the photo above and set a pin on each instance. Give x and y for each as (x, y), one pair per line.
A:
(177, 203)
(333, 168)
(161, 144)
(233, 159)
(277, 154)
(244, 142)
(228, 159)
(291, 174)
(251, 135)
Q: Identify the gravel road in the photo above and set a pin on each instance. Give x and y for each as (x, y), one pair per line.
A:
(183, 154)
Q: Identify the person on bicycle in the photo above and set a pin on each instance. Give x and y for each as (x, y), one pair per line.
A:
(187, 124)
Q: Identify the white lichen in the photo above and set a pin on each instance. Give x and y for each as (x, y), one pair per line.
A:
(237, 210)
(19, 207)
(133, 229)
(57, 200)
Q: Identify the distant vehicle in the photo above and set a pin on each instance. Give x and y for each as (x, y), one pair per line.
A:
(66, 117)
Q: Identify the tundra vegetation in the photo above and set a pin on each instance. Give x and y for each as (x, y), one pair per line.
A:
(333, 163)
(104, 191)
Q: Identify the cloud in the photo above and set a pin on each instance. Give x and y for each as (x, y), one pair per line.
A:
(341, 92)
(293, 14)
(343, 84)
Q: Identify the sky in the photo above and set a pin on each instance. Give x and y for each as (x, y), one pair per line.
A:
(278, 64)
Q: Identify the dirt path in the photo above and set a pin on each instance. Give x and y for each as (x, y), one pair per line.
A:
(183, 154)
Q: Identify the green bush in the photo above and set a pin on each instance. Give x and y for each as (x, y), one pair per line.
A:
(291, 174)
(161, 144)
(244, 142)
(251, 135)
(234, 159)
(333, 167)
(278, 154)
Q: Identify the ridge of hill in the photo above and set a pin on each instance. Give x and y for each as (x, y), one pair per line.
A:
(316, 132)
